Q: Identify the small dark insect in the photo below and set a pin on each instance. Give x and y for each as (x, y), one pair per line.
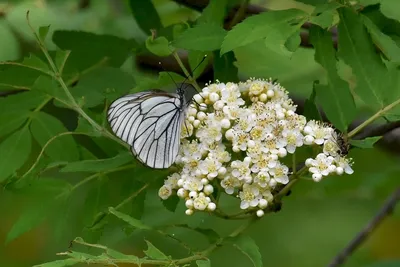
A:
(342, 144)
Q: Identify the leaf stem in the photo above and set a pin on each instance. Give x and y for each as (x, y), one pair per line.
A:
(185, 71)
(373, 118)
(57, 76)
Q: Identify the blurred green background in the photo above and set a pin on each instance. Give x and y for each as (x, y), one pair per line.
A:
(316, 221)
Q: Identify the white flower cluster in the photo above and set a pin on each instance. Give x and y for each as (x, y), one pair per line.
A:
(236, 137)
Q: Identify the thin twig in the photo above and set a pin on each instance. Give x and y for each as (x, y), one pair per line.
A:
(362, 236)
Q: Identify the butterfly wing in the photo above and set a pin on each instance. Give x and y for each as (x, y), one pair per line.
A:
(151, 123)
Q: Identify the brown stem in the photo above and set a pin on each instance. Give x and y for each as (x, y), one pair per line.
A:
(362, 236)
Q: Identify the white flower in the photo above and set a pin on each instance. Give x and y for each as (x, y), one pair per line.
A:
(345, 164)
(321, 164)
(165, 192)
(249, 196)
(210, 167)
(172, 180)
(262, 179)
(280, 173)
(192, 184)
(229, 183)
(241, 170)
(231, 95)
(293, 138)
(201, 202)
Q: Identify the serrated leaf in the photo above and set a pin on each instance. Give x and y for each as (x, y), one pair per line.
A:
(357, 51)
(118, 255)
(14, 152)
(213, 13)
(34, 62)
(203, 263)
(42, 204)
(49, 87)
(324, 14)
(224, 67)
(311, 111)
(248, 247)
(384, 42)
(98, 165)
(335, 97)
(44, 127)
(102, 83)
(293, 42)
(171, 203)
(22, 101)
(43, 31)
(365, 143)
(164, 79)
(159, 46)
(59, 263)
(203, 37)
(60, 59)
(391, 9)
(12, 120)
(195, 57)
(126, 218)
(88, 49)
(154, 253)
(275, 27)
(145, 14)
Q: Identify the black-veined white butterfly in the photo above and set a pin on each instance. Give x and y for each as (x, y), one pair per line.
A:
(151, 122)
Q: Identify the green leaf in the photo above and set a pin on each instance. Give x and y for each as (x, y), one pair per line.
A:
(43, 31)
(357, 51)
(44, 127)
(324, 15)
(102, 83)
(293, 42)
(335, 97)
(59, 263)
(49, 87)
(391, 9)
(203, 263)
(164, 79)
(171, 203)
(224, 68)
(145, 14)
(213, 13)
(275, 27)
(126, 218)
(311, 111)
(12, 120)
(43, 202)
(281, 67)
(249, 248)
(23, 101)
(14, 152)
(195, 57)
(159, 46)
(384, 42)
(154, 253)
(385, 263)
(98, 165)
(61, 59)
(35, 63)
(88, 49)
(203, 37)
(365, 143)
(29, 69)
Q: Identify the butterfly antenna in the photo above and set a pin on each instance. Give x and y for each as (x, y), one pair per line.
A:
(204, 58)
(168, 74)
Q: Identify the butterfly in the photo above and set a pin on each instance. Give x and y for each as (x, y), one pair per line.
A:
(151, 122)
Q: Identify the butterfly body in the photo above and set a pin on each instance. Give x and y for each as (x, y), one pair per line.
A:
(150, 122)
